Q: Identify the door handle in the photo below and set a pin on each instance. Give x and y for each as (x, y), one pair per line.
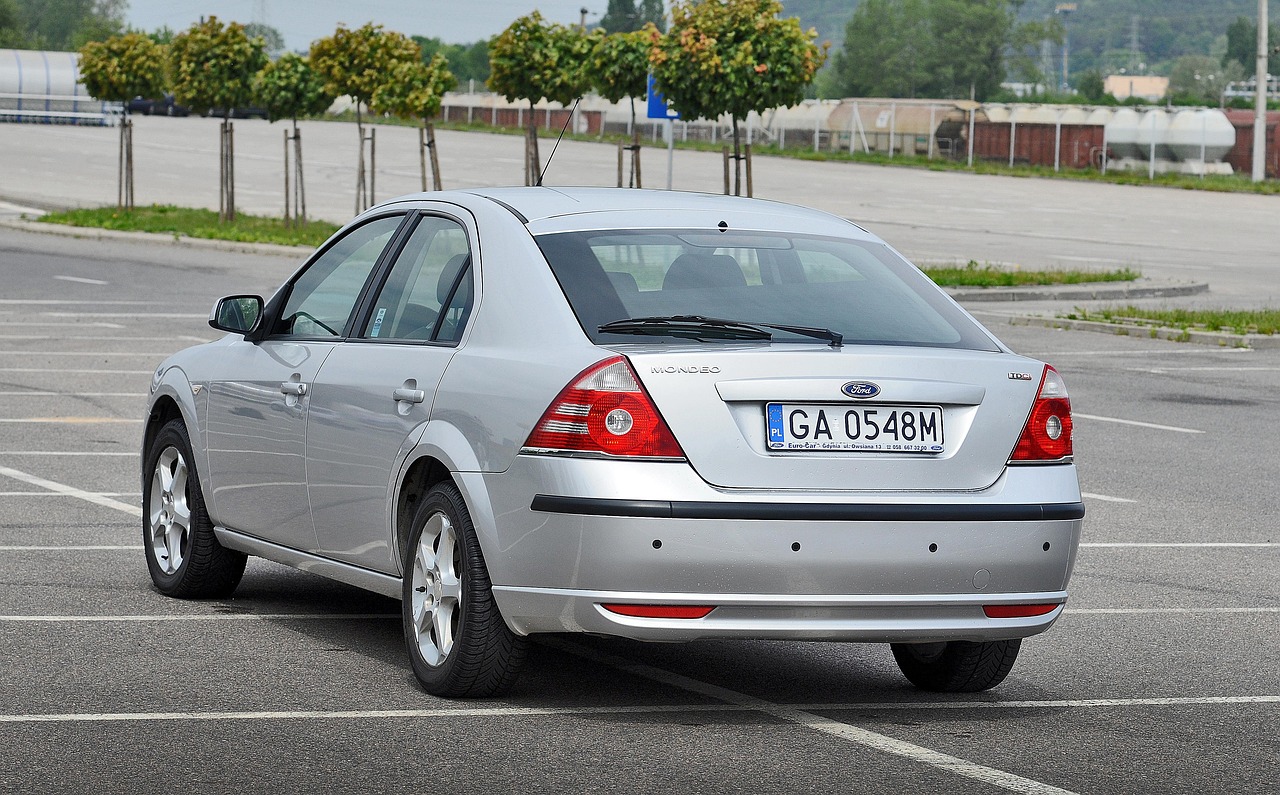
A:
(404, 394)
(293, 388)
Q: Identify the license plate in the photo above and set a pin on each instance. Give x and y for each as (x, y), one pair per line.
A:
(836, 427)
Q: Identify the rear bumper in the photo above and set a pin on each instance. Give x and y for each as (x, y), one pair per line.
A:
(562, 537)
(865, 617)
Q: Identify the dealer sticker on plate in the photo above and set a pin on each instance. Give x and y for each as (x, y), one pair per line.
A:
(837, 427)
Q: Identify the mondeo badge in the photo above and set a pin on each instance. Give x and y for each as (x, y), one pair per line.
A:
(860, 389)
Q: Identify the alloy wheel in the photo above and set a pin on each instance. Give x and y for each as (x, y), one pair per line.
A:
(170, 511)
(437, 589)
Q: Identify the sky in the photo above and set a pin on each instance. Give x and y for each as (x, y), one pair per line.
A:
(304, 21)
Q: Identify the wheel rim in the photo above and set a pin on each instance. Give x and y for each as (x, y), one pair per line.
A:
(437, 589)
(170, 511)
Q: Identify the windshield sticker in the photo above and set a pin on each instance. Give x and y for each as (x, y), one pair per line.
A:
(377, 322)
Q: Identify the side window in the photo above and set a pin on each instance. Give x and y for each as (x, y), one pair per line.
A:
(428, 292)
(322, 298)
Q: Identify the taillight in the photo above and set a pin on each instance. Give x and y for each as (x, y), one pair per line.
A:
(605, 410)
(1047, 434)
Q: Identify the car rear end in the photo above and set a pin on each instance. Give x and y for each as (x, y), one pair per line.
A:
(888, 472)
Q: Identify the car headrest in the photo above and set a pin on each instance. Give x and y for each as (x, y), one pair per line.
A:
(450, 275)
(703, 270)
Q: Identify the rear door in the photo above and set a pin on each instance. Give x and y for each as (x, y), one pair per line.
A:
(377, 388)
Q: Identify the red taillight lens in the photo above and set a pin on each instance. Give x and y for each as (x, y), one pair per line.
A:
(1018, 611)
(660, 611)
(1047, 434)
(605, 410)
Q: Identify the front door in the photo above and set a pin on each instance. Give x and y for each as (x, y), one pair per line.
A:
(261, 394)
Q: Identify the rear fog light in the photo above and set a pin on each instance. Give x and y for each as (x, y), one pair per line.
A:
(660, 611)
(1017, 611)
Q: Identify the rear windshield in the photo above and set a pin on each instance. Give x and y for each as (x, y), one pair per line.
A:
(859, 289)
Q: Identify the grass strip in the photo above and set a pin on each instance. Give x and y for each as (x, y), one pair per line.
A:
(1235, 321)
(190, 222)
(975, 275)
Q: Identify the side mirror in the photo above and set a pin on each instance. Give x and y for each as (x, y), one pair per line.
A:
(238, 314)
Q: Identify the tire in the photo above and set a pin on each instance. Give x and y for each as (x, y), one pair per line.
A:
(459, 646)
(183, 555)
(957, 666)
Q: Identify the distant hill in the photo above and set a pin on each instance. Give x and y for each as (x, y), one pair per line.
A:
(1099, 31)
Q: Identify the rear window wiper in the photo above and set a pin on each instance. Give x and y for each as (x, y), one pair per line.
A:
(699, 327)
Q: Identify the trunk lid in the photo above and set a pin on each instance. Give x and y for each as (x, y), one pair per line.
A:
(972, 404)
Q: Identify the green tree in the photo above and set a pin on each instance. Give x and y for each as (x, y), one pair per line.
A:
(213, 67)
(356, 63)
(416, 91)
(467, 61)
(69, 24)
(117, 70)
(11, 34)
(1200, 79)
(886, 50)
(624, 16)
(1091, 85)
(288, 88)
(969, 42)
(619, 65)
(272, 39)
(1242, 46)
(734, 57)
(533, 60)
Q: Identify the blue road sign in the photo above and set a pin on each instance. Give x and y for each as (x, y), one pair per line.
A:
(658, 107)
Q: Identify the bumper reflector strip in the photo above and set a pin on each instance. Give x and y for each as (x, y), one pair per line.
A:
(660, 611)
(1017, 611)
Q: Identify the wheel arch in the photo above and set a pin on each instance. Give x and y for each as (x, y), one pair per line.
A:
(418, 478)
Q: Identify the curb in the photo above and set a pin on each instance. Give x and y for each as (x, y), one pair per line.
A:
(1078, 292)
(94, 233)
(1215, 338)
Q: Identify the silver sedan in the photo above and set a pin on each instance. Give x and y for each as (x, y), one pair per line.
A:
(660, 416)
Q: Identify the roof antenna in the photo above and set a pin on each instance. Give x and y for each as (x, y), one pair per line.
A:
(543, 171)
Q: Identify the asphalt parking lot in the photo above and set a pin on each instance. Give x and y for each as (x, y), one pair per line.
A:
(1160, 677)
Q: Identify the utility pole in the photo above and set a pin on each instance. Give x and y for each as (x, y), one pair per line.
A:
(1063, 10)
(1260, 116)
(1135, 47)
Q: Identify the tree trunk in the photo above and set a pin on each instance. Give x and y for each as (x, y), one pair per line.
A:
(124, 190)
(299, 190)
(435, 156)
(635, 148)
(533, 163)
(737, 159)
(361, 181)
(226, 170)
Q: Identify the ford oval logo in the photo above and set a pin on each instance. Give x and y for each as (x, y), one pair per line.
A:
(860, 389)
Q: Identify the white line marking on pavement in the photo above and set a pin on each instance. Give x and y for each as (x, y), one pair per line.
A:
(1179, 544)
(32, 323)
(58, 494)
(515, 712)
(72, 372)
(71, 491)
(81, 353)
(80, 280)
(845, 731)
(60, 302)
(103, 339)
(1179, 611)
(65, 452)
(34, 393)
(1090, 495)
(196, 617)
(1143, 352)
(1162, 370)
(130, 315)
(1096, 418)
(71, 420)
(87, 548)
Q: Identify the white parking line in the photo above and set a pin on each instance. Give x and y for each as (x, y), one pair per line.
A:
(801, 717)
(80, 280)
(1150, 611)
(1179, 544)
(71, 491)
(196, 617)
(33, 323)
(81, 353)
(131, 315)
(71, 420)
(1174, 428)
(112, 453)
(639, 709)
(1090, 495)
(103, 339)
(86, 548)
(59, 494)
(65, 371)
(61, 302)
(18, 393)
